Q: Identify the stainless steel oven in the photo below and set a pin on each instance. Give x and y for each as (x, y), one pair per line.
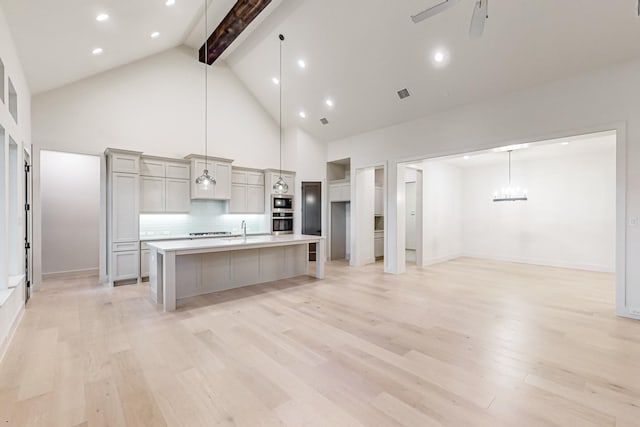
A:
(282, 223)
(281, 203)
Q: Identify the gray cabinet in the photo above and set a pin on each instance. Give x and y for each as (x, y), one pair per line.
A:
(220, 169)
(340, 192)
(124, 203)
(152, 194)
(247, 192)
(123, 209)
(164, 186)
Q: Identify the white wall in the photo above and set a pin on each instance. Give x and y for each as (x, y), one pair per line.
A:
(12, 299)
(307, 157)
(362, 220)
(568, 221)
(156, 106)
(601, 100)
(442, 212)
(70, 185)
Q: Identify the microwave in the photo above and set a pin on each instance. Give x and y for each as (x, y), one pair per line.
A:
(281, 203)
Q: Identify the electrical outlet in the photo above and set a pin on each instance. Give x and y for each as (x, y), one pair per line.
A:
(634, 221)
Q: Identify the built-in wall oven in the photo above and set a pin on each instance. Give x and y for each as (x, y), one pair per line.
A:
(282, 223)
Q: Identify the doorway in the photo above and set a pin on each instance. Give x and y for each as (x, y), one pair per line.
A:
(340, 213)
(551, 202)
(312, 208)
(410, 221)
(27, 224)
(70, 210)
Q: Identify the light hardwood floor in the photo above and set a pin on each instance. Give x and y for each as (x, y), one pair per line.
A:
(468, 342)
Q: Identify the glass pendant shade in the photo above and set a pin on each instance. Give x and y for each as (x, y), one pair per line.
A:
(280, 187)
(205, 179)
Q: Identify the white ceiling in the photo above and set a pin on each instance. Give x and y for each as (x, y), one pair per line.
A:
(55, 38)
(573, 147)
(359, 52)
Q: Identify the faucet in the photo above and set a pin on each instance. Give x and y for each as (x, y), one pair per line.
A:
(243, 226)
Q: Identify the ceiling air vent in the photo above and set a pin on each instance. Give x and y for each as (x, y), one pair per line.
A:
(404, 93)
(324, 121)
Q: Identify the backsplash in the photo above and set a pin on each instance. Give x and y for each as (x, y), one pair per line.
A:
(206, 215)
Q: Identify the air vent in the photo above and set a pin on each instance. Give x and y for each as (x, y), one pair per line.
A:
(404, 93)
(324, 121)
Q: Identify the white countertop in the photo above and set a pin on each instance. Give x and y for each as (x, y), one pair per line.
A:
(160, 237)
(218, 244)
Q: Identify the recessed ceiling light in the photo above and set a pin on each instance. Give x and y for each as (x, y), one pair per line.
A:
(170, 2)
(510, 148)
(329, 102)
(155, 35)
(565, 143)
(97, 51)
(466, 157)
(275, 81)
(302, 115)
(301, 63)
(438, 57)
(102, 17)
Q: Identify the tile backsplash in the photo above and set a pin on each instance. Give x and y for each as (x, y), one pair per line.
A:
(206, 215)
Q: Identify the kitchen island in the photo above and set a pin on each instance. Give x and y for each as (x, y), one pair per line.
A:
(186, 268)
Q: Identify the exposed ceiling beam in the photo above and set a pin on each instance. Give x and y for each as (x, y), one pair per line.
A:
(236, 21)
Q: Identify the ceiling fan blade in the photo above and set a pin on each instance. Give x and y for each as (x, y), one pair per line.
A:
(432, 11)
(480, 15)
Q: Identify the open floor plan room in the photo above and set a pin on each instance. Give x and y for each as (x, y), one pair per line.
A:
(467, 342)
(319, 213)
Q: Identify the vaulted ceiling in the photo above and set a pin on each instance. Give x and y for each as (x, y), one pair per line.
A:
(358, 53)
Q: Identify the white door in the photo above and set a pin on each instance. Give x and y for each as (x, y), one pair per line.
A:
(410, 213)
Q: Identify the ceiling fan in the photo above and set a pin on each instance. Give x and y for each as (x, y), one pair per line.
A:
(480, 14)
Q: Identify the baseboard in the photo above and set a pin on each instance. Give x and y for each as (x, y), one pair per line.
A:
(4, 345)
(545, 262)
(74, 274)
(440, 260)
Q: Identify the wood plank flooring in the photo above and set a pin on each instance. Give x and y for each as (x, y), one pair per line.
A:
(467, 342)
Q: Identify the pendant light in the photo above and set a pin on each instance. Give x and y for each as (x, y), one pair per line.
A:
(205, 179)
(509, 193)
(280, 186)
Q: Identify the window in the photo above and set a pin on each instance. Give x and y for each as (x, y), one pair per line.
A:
(1, 80)
(3, 230)
(13, 101)
(15, 228)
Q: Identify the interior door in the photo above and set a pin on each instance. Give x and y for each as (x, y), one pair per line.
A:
(27, 226)
(410, 213)
(338, 230)
(312, 208)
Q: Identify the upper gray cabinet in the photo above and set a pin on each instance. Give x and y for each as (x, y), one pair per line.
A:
(218, 168)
